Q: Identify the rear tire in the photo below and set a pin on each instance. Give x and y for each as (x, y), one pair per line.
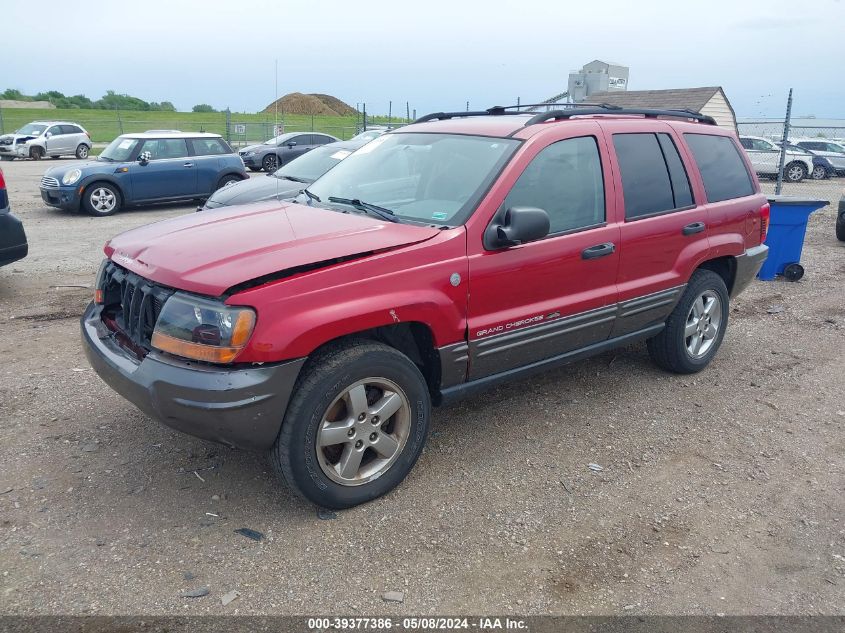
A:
(102, 199)
(334, 449)
(36, 153)
(840, 227)
(793, 272)
(794, 172)
(695, 329)
(82, 151)
(225, 180)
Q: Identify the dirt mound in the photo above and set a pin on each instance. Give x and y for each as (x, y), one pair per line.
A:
(298, 103)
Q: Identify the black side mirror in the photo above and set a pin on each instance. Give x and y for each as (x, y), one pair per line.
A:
(517, 225)
(291, 144)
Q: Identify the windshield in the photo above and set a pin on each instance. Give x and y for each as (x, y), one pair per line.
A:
(32, 129)
(434, 178)
(277, 139)
(369, 135)
(312, 165)
(120, 149)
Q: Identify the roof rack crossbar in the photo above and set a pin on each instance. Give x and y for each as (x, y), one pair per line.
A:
(568, 111)
(555, 115)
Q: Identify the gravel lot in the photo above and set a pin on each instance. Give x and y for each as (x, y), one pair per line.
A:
(720, 493)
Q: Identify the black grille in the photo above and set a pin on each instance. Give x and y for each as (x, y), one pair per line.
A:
(133, 302)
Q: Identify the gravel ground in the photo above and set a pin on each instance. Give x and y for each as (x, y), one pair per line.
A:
(720, 492)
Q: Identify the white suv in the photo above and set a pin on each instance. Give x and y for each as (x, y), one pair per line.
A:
(46, 138)
(765, 158)
(834, 151)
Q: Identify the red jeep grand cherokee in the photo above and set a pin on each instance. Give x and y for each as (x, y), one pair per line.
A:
(459, 252)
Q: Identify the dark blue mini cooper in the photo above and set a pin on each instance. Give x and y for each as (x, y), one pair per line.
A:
(155, 166)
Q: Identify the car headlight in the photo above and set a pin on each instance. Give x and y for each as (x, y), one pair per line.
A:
(202, 329)
(71, 177)
(249, 153)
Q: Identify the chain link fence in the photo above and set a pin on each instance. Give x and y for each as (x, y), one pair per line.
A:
(810, 165)
(239, 129)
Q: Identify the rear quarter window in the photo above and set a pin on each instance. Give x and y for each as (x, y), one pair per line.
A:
(721, 166)
(209, 146)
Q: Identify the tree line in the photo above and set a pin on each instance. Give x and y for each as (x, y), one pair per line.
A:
(109, 101)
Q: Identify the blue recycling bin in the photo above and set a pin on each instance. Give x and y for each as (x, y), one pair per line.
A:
(785, 239)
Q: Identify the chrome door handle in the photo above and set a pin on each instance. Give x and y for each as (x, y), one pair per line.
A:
(189, 164)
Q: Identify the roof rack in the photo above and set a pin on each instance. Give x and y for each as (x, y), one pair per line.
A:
(569, 110)
(556, 115)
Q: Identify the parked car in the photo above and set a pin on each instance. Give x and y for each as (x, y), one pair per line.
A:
(369, 134)
(46, 138)
(765, 157)
(278, 151)
(840, 219)
(144, 168)
(455, 254)
(287, 181)
(834, 151)
(13, 245)
(822, 167)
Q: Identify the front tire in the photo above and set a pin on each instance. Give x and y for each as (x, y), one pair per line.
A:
(696, 327)
(819, 173)
(101, 199)
(82, 151)
(840, 227)
(36, 153)
(795, 172)
(355, 426)
(270, 163)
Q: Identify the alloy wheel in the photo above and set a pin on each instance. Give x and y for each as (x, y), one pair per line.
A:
(103, 200)
(703, 323)
(363, 431)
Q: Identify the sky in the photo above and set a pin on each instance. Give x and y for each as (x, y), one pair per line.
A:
(435, 55)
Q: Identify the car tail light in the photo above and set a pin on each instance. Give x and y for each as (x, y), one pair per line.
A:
(2, 180)
(765, 212)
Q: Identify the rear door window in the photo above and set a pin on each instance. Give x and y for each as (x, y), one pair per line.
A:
(209, 146)
(302, 139)
(722, 168)
(71, 129)
(654, 180)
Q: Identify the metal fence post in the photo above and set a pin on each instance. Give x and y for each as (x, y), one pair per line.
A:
(782, 159)
(407, 112)
(228, 125)
(119, 120)
(2, 129)
(389, 113)
(365, 117)
(312, 122)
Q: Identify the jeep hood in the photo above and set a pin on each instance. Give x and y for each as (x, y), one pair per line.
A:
(211, 251)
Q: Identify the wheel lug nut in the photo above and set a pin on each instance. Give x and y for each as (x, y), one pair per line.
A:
(373, 437)
(359, 444)
(362, 417)
(351, 432)
(375, 419)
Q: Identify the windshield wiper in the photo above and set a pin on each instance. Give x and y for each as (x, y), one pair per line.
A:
(384, 214)
(294, 178)
(313, 196)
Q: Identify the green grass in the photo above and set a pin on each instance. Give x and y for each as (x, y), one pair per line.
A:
(105, 125)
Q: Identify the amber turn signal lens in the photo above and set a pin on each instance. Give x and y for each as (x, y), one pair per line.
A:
(196, 351)
(98, 296)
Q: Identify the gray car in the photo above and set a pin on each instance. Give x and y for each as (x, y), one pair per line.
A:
(46, 138)
(278, 151)
(287, 181)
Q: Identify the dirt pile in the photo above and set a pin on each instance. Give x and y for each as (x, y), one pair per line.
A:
(298, 103)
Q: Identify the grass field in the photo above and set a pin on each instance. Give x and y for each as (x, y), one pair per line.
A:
(105, 125)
